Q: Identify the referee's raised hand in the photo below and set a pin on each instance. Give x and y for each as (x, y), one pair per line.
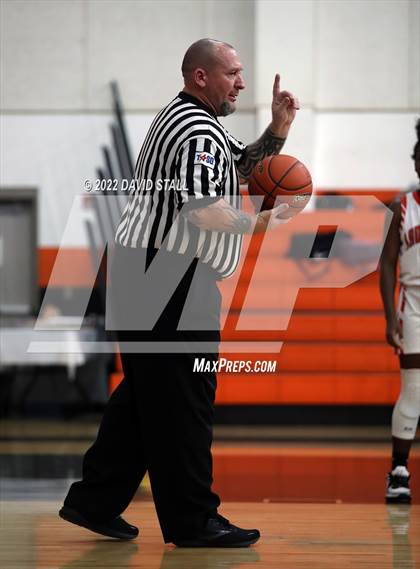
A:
(283, 109)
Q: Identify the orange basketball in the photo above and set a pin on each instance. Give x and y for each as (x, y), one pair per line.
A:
(281, 179)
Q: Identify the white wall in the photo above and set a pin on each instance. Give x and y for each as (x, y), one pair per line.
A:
(340, 54)
(355, 66)
(353, 63)
(61, 54)
(284, 43)
(364, 150)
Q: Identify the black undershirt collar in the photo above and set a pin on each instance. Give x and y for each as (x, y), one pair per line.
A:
(191, 99)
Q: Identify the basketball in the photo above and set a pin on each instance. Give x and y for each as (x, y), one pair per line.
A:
(281, 179)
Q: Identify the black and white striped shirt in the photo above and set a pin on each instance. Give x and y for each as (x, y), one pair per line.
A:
(187, 160)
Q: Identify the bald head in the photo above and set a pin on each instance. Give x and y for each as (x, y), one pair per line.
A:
(204, 53)
(212, 74)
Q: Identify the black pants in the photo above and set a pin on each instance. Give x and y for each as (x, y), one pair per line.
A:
(160, 417)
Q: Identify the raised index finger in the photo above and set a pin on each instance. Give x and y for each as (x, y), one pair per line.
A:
(276, 85)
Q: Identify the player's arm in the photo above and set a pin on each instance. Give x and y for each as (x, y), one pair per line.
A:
(283, 109)
(388, 278)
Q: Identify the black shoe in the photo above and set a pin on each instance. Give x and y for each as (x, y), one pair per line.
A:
(116, 527)
(398, 486)
(218, 532)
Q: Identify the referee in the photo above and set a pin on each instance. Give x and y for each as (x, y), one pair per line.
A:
(180, 233)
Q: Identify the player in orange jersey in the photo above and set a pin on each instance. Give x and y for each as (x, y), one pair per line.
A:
(402, 247)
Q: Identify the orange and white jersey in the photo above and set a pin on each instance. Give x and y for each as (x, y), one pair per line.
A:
(410, 239)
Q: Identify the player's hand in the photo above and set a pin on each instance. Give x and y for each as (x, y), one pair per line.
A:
(394, 336)
(283, 109)
(272, 217)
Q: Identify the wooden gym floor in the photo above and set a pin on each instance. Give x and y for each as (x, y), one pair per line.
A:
(316, 494)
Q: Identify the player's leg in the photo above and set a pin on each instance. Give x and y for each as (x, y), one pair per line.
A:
(404, 424)
(407, 409)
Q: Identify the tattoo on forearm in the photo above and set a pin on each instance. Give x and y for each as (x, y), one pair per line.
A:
(266, 145)
(221, 216)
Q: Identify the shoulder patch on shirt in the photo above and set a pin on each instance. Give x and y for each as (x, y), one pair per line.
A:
(205, 159)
